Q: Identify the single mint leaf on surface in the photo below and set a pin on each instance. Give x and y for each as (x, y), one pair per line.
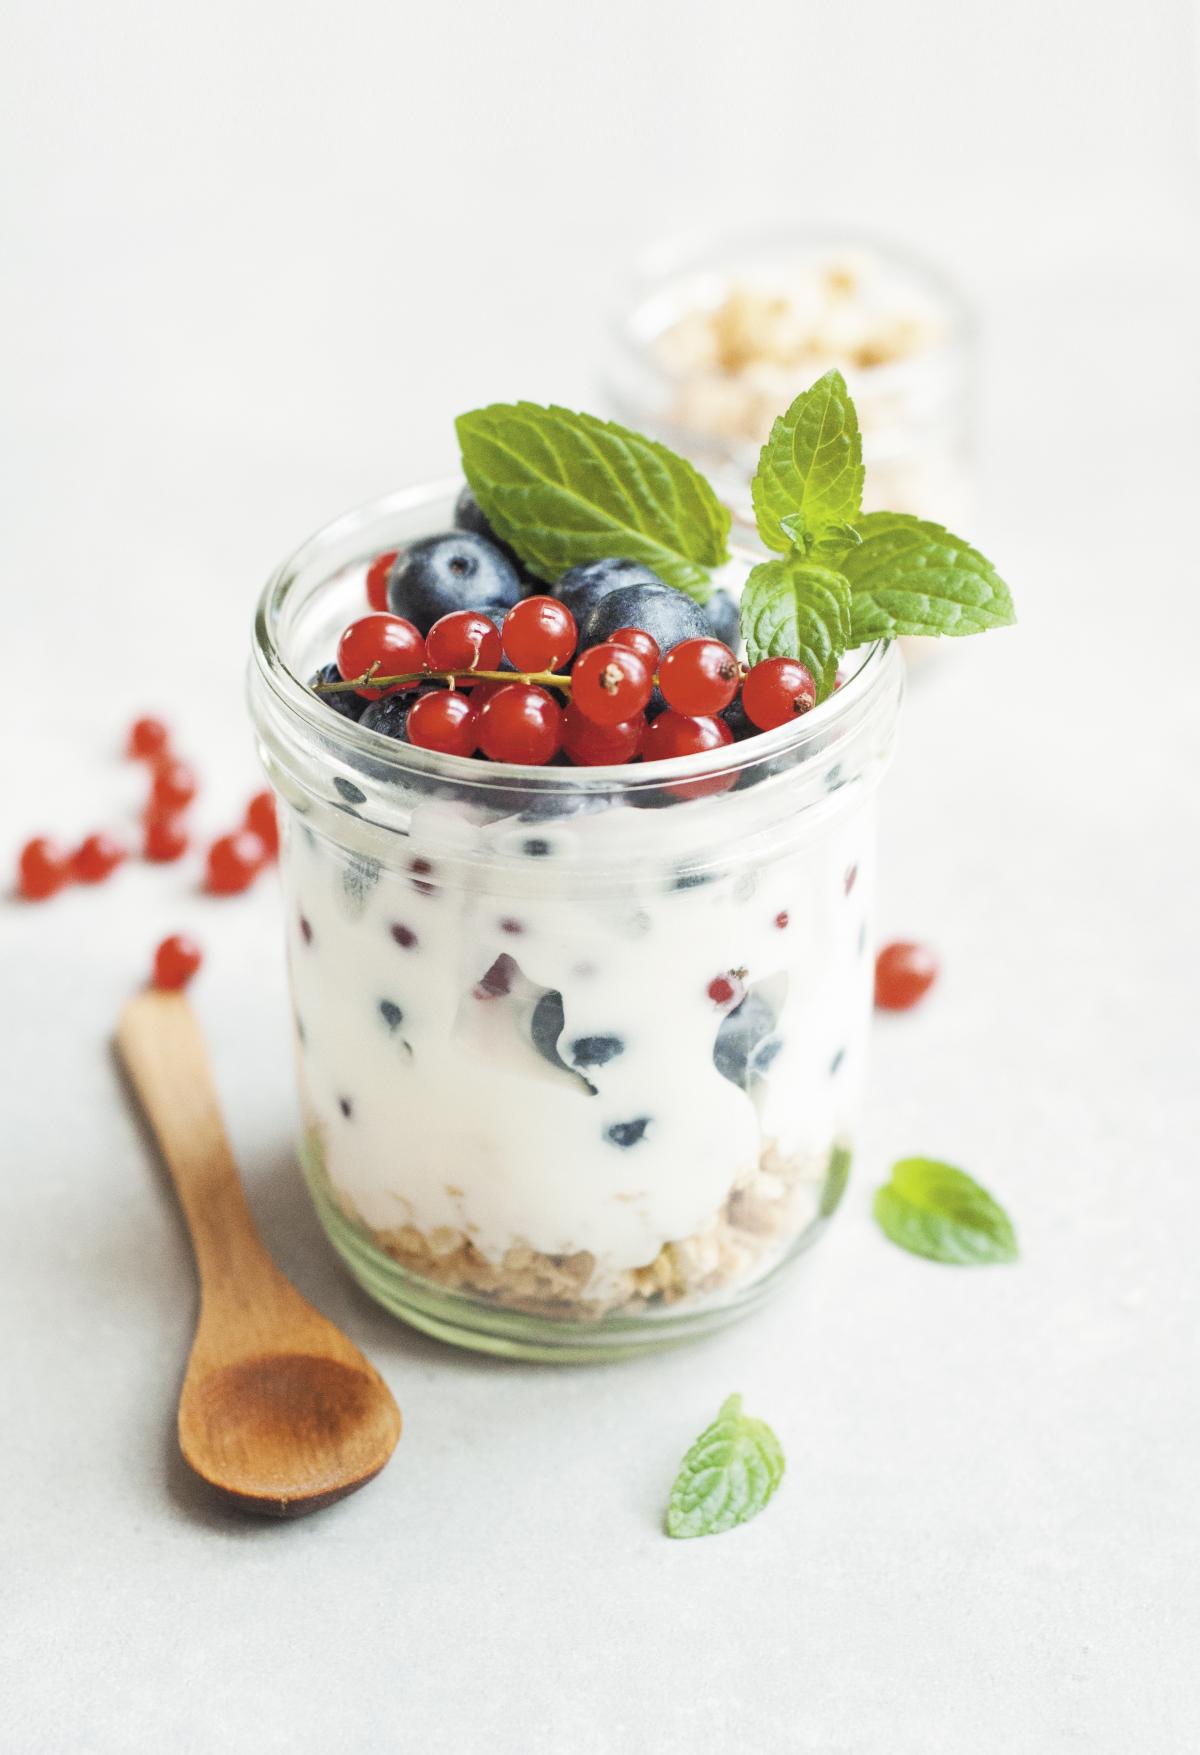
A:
(908, 576)
(795, 608)
(561, 488)
(727, 1476)
(811, 464)
(934, 1210)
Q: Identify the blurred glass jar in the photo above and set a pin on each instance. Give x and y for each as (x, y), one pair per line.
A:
(715, 339)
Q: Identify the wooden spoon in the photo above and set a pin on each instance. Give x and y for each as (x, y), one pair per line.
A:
(279, 1411)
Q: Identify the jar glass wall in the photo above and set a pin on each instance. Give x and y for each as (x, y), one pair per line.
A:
(580, 1051)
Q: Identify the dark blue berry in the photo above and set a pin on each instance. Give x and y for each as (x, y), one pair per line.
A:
(742, 1034)
(582, 587)
(628, 1133)
(443, 573)
(346, 1107)
(546, 1027)
(724, 618)
(349, 791)
(389, 717)
(469, 515)
(536, 847)
(588, 1051)
(739, 723)
(391, 1014)
(668, 615)
(346, 702)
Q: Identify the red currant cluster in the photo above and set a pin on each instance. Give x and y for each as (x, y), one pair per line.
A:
(603, 717)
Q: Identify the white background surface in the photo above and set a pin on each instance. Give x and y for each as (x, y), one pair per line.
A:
(256, 257)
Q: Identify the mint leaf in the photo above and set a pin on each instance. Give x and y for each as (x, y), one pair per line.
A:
(797, 609)
(908, 576)
(811, 465)
(562, 488)
(934, 1210)
(727, 1476)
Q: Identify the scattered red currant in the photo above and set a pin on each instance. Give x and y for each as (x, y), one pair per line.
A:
(639, 641)
(261, 820)
(378, 574)
(776, 691)
(446, 722)
(520, 723)
(147, 738)
(164, 837)
(610, 683)
(463, 640)
(42, 869)
(174, 785)
(904, 973)
(175, 962)
(699, 676)
(96, 859)
(539, 633)
(595, 746)
(386, 643)
(234, 861)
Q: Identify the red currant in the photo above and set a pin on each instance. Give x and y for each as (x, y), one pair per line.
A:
(173, 786)
(728, 990)
(904, 973)
(699, 676)
(776, 691)
(42, 869)
(520, 723)
(147, 738)
(539, 633)
(175, 962)
(463, 640)
(378, 574)
(234, 862)
(610, 683)
(164, 838)
(386, 643)
(639, 641)
(447, 722)
(594, 746)
(96, 859)
(261, 820)
(677, 734)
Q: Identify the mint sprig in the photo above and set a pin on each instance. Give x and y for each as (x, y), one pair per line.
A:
(561, 488)
(908, 576)
(810, 471)
(795, 608)
(727, 1476)
(932, 1209)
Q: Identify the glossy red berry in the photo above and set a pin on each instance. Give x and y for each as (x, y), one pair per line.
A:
(595, 746)
(610, 683)
(174, 785)
(699, 676)
(261, 820)
(446, 722)
(147, 738)
(386, 644)
(234, 861)
(776, 691)
(539, 634)
(175, 962)
(639, 641)
(728, 990)
(378, 574)
(904, 973)
(520, 723)
(96, 859)
(677, 734)
(463, 640)
(43, 868)
(164, 837)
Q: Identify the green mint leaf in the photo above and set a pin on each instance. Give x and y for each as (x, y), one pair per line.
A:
(811, 464)
(797, 531)
(934, 1210)
(833, 542)
(727, 1476)
(911, 577)
(561, 488)
(795, 608)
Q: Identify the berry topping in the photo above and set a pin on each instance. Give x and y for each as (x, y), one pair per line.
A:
(404, 935)
(468, 515)
(520, 723)
(729, 989)
(904, 973)
(97, 858)
(261, 820)
(610, 683)
(234, 861)
(348, 790)
(776, 691)
(389, 717)
(164, 837)
(724, 617)
(639, 641)
(678, 734)
(175, 962)
(444, 721)
(582, 587)
(698, 676)
(42, 869)
(466, 639)
(546, 1027)
(628, 1133)
(589, 1051)
(457, 571)
(385, 644)
(391, 1013)
(147, 738)
(594, 746)
(496, 982)
(539, 634)
(782, 919)
(174, 785)
(667, 615)
(345, 702)
(378, 574)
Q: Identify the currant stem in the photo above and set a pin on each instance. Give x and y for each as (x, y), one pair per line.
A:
(542, 678)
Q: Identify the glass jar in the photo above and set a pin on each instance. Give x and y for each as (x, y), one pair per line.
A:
(580, 1050)
(715, 338)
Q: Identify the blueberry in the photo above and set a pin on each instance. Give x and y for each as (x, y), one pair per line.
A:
(587, 1051)
(443, 573)
(546, 1027)
(345, 702)
(583, 586)
(742, 1046)
(389, 717)
(628, 1133)
(735, 716)
(349, 791)
(346, 1107)
(724, 618)
(391, 1014)
(669, 615)
(536, 847)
